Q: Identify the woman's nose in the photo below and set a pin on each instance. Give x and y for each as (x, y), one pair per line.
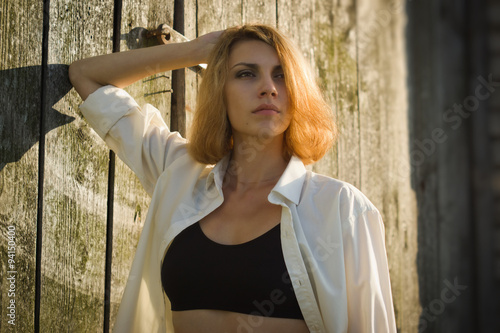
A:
(268, 87)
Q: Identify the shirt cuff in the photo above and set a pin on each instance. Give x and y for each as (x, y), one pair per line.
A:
(105, 106)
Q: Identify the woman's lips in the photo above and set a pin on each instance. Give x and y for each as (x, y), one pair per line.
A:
(266, 109)
(266, 112)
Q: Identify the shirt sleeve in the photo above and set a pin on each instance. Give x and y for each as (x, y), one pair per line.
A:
(139, 136)
(369, 297)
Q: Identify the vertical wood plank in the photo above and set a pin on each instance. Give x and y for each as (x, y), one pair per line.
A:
(258, 11)
(422, 79)
(212, 16)
(437, 59)
(217, 15)
(488, 296)
(484, 130)
(20, 85)
(191, 32)
(131, 201)
(456, 261)
(335, 58)
(294, 19)
(454, 197)
(75, 181)
(178, 96)
(117, 21)
(384, 145)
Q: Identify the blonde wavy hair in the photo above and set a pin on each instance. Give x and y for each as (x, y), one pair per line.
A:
(312, 130)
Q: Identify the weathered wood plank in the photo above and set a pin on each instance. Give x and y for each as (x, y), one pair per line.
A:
(258, 11)
(217, 15)
(294, 19)
(131, 201)
(335, 58)
(482, 196)
(424, 175)
(384, 152)
(20, 78)
(75, 181)
(456, 261)
(192, 78)
(211, 16)
(221, 14)
(178, 96)
(439, 102)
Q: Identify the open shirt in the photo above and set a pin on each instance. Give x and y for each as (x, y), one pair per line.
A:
(332, 235)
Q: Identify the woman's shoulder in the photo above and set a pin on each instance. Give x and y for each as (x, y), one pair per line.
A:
(336, 193)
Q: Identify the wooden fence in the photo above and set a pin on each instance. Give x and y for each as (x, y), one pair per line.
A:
(77, 213)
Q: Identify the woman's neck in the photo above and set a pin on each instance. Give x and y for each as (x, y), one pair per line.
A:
(255, 163)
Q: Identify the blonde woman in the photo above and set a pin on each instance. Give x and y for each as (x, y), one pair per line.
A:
(239, 237)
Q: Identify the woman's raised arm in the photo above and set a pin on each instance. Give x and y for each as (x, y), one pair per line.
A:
(124, 68)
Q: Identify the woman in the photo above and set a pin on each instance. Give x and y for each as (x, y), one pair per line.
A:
(255, 243)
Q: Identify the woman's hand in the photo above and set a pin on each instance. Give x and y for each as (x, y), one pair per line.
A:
(206, 43)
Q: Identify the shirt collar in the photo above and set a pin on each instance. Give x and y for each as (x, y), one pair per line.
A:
(288, 186)
(216, 176)
(291, 181)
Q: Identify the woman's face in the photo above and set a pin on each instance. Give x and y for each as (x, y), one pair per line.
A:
(255, 92)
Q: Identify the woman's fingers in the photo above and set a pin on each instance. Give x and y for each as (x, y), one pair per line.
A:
(207, 42)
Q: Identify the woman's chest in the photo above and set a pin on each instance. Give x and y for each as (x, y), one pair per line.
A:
(240, 219)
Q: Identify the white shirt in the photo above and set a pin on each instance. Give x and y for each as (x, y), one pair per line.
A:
(332, 236)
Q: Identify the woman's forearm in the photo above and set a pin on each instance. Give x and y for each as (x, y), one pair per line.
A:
(124, 68)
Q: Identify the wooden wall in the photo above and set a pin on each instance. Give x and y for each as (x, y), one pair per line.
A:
(450, 106)
(442, 192)
(488, 182)
(20, 89)
(56, 179)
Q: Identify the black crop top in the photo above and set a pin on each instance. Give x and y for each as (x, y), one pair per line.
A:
(250, 278)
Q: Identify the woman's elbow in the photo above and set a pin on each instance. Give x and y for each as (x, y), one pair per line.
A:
(82, 84)
(73, 72)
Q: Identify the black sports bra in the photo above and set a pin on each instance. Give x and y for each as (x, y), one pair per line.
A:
(250, 278)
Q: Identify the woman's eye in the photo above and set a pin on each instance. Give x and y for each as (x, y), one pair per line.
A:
(280, 75)
(244, 74)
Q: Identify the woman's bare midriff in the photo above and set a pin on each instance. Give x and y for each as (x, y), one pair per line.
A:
(217, 321)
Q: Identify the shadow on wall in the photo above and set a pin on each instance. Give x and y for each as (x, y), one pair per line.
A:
(20, 96)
